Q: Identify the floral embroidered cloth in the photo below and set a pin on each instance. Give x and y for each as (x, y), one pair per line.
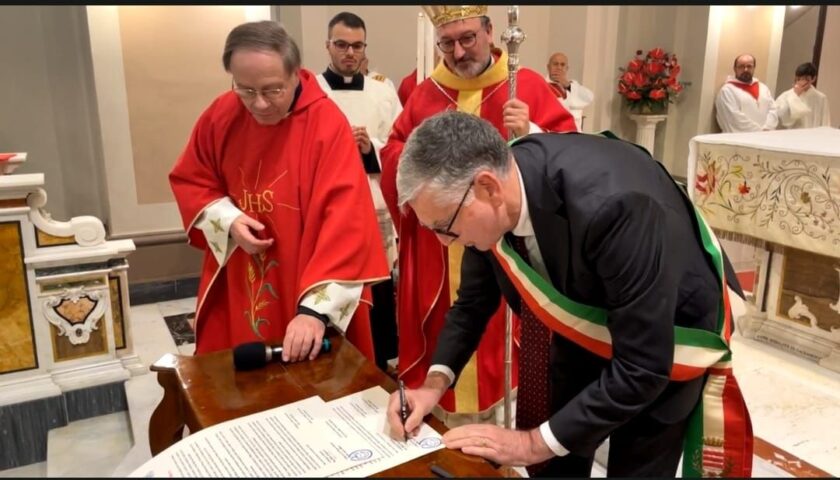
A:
(781, 186)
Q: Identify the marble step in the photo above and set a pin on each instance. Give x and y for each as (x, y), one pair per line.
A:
(33, 470)
(143, 393)
(92, 447)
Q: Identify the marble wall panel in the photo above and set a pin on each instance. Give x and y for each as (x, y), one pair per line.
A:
(815, 280)
(63, 350)
(43, 239)
(17, 343)
(117, 312)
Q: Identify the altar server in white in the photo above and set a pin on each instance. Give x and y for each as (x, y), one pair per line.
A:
(574, 96)
(744, 104)
(374, 75)
(803, 106)
(371, 107)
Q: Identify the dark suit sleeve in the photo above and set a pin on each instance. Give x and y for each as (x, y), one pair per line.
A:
(625, 244)
(478, 299)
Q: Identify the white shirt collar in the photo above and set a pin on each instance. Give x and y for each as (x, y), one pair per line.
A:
(343, 77)
(524, 227)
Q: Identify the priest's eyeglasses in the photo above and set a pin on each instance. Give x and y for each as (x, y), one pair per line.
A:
(447, 232)
(251, 94)
(448, 45)
(342, 46)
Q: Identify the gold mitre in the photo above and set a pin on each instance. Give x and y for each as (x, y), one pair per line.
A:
(443, 14)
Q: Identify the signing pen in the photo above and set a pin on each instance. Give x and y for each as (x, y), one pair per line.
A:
(440, 472)
(403, 409)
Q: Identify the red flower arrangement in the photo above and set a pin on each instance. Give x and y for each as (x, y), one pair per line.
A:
(650, 82)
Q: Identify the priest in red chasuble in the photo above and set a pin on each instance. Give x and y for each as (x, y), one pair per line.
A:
(472, 78)
(271, 188)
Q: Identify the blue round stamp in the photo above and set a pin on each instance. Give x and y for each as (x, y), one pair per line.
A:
(429, 442)
(359, 455)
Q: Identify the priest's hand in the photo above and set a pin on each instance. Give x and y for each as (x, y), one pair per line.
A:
(240, 230)
(362, 139)
(303, 337)
(515, 116)
(517, 448)
(420, 403)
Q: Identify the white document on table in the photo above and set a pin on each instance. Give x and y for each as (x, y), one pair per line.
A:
(347, 437)
(365, 412)
(301, 439)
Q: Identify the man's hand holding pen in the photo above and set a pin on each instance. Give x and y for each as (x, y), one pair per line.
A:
(497, 444)
(418, 404)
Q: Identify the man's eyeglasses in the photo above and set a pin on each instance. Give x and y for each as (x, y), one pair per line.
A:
(466, 41)
(447, 232)
(342, 46)
(266, 93)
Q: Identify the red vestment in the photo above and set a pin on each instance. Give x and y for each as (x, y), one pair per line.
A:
(424, 289)
(302, 179)
(751, 88)
(407, 86)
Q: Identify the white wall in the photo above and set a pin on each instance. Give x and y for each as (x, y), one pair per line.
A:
(566, 34)
(47, 107)
(798, 41)
(829, 76)
(684, 116)
(136, 93)
(391, 33)
(599, 45)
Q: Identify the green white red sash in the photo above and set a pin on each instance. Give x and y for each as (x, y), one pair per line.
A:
(719, 440)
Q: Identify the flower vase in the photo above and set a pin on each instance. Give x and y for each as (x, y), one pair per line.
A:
(649, 108)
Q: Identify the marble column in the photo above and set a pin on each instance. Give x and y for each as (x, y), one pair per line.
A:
(646, 129)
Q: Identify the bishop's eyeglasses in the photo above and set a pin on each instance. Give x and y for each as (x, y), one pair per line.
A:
(467, 40)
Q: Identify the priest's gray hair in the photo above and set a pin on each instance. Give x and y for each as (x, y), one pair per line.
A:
(267, 35)
(445, 153)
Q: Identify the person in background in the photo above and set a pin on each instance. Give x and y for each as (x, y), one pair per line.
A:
(744, 104)
(803, 106)
(574, 96)
(370, 107)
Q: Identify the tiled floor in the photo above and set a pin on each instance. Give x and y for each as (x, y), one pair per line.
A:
(793, 404)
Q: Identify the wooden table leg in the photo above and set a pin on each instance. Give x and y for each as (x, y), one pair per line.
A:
(167, 423)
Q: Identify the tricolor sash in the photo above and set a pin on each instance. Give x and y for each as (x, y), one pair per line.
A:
(719, 440)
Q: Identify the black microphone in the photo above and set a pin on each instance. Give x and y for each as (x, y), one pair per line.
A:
(253, 355)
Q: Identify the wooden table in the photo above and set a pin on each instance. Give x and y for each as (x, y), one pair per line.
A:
(204, 390)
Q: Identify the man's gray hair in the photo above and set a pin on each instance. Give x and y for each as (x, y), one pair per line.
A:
(446, 152)
(265, 35)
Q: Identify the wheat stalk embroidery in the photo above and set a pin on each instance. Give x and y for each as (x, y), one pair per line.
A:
(255, 295)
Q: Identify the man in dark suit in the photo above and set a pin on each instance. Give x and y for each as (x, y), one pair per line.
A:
(606, 225)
